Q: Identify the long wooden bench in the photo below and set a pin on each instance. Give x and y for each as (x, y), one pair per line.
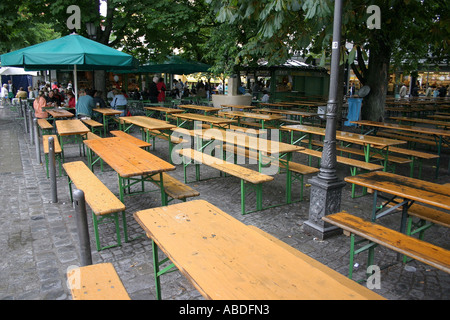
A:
(175, 188)
(354, 164)
(96, 282)
(421, 139)
(417, 249)
(46, 127)
(247, 176)
(103, 203)
(360, 152)
(414, 155)
(94, 125)
(128, 137)
(427, 217)
(298, 169)
(316, 264)
(57, 149)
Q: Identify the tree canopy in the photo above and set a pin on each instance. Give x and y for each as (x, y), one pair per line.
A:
(226, 33)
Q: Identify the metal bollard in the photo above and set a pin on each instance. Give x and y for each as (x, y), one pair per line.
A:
(38, 144)
(52, 168)
(30, 125)
(25, 119)
(82, 227)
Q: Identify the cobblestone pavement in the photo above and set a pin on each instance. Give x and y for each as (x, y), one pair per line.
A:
(39, 241)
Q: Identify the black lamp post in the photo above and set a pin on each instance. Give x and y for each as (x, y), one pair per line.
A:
(326, 188)
(91, 29)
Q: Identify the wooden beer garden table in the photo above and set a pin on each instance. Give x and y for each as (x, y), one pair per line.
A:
(132, 164)
(440, 134)
(212, 120)
(225, 259)
(205, 109)
(252, 115)
(165, 110)
(73, 127)
(107, 113)
(408, 190)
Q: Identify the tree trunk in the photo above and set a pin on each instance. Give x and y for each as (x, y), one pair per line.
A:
(377, 79)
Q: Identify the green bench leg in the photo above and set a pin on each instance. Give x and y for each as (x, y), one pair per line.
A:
(156, 269)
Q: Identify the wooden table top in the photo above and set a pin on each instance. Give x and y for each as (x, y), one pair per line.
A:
(422, 120)
(107, 111)
(440, 117)
(196, 107)
(438, 132)
(126, 158)
(60, 113)
(226, 259)
(245, 141)
(68, 127)
(148, 123)
(236, 106)
(253, 115)
(348, 136)
(164, 109)
(413, 189)
(289, 112)
(203, 118)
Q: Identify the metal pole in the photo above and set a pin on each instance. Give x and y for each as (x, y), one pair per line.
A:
(25, 118)
(82, 227)
(30, 125)
(52, 168)
(326, 188)
(36, 139)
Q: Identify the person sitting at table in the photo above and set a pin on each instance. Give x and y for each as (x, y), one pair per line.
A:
(71, 101)
(84, 105)
(52, 99)
(39, 104)
(265, 97)
(99, 102)
(119, 102)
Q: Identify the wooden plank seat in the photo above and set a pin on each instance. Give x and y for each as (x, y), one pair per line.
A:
(411, 138)
(96, 282)
(360, 152)
(46, 127)
(355, 165)
(94, 125)
(103, 203)
(175, 188)
(298, 169)
(91, 136)
(128, 137)
(376, 234)
(414, 155)
(57, 149)
(426, 216)
(248, 177)
(250, 131)
(363, 291)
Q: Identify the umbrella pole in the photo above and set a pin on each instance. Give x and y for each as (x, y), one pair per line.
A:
(75, 80)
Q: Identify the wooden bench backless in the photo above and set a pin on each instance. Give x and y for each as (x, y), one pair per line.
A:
(417, 249)
(176, 189)
(44, 125)
(246, 175)
(295, 167)
(96, 282)
(100, 199)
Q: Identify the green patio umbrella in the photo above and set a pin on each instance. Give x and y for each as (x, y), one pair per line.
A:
(72, 52)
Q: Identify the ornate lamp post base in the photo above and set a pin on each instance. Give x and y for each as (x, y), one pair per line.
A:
(325, 199)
